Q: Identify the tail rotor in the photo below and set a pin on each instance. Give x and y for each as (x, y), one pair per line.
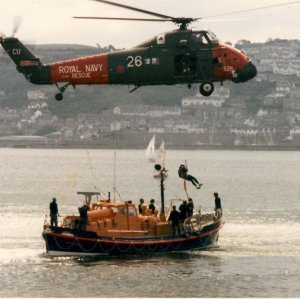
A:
(16, 24)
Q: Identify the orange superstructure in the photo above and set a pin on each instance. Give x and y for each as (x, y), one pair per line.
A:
(120, 219)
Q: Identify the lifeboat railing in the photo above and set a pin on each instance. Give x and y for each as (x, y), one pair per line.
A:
(198, 221)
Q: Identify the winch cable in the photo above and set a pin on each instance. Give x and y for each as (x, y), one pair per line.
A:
(95, 178)
(115, 190)
(184, 183)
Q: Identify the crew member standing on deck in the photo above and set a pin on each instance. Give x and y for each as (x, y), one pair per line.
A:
(190, 208)
(218, 206)
(83, 216)
(152, 206)
(141, 206)
(174, 218)
(183, 213)
(53, 212)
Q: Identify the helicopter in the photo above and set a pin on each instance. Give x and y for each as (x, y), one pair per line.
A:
(181, 56)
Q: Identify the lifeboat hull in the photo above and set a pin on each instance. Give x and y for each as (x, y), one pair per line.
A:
(66, 242)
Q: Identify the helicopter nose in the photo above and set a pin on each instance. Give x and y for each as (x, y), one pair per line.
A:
(248, 72)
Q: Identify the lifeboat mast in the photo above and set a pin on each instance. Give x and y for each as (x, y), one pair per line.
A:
(161, 170)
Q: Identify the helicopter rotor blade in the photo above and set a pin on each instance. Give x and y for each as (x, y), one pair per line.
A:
(16, 25)
(123, 19)
(251, 9)
(136, 9)
(183, 22)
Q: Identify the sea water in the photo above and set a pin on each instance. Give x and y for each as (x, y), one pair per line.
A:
(258, 254)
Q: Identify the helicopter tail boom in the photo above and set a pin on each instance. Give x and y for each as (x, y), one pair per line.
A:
(26, 63)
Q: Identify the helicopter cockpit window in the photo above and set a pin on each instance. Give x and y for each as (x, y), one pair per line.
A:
(212, 37)
(204, 38)
(201, 39)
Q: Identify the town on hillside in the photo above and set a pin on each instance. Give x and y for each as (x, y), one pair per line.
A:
(262, 113)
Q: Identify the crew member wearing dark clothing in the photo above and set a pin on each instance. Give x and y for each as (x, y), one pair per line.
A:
(183, 212)
(53, 212)
(218, 206)
(190, 208)
(140, 206)
(182, 172)
(152, 206)
(175, 220)
(83, 216)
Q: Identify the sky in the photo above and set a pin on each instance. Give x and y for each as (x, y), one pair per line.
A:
(50, 21)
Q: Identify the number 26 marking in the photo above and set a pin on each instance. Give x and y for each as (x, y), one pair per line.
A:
(135, 61)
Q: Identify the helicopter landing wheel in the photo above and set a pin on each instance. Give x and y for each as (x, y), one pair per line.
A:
(61, 89)
(206, 89)
(59, 96)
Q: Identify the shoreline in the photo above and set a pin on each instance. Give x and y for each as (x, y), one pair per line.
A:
(55, 144)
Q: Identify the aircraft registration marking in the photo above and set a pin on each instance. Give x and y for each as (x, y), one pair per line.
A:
(16, 51)
(228, 69)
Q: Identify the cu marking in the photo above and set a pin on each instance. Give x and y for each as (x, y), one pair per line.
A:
(16, 51)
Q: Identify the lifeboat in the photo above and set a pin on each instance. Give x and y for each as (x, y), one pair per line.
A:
(115, 228)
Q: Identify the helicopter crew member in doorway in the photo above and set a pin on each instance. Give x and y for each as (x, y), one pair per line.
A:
(182, 172)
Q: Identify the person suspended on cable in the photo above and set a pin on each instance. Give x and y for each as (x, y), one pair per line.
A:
(183, 173)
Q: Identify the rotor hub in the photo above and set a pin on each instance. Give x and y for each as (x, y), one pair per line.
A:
(183, 22)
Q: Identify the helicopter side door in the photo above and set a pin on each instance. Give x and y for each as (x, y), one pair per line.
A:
(193, 59)
(185, 65)
(185, 61)
(204, 57)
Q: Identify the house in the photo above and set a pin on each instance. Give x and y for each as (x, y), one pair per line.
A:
(147, 110)
(36, 95)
